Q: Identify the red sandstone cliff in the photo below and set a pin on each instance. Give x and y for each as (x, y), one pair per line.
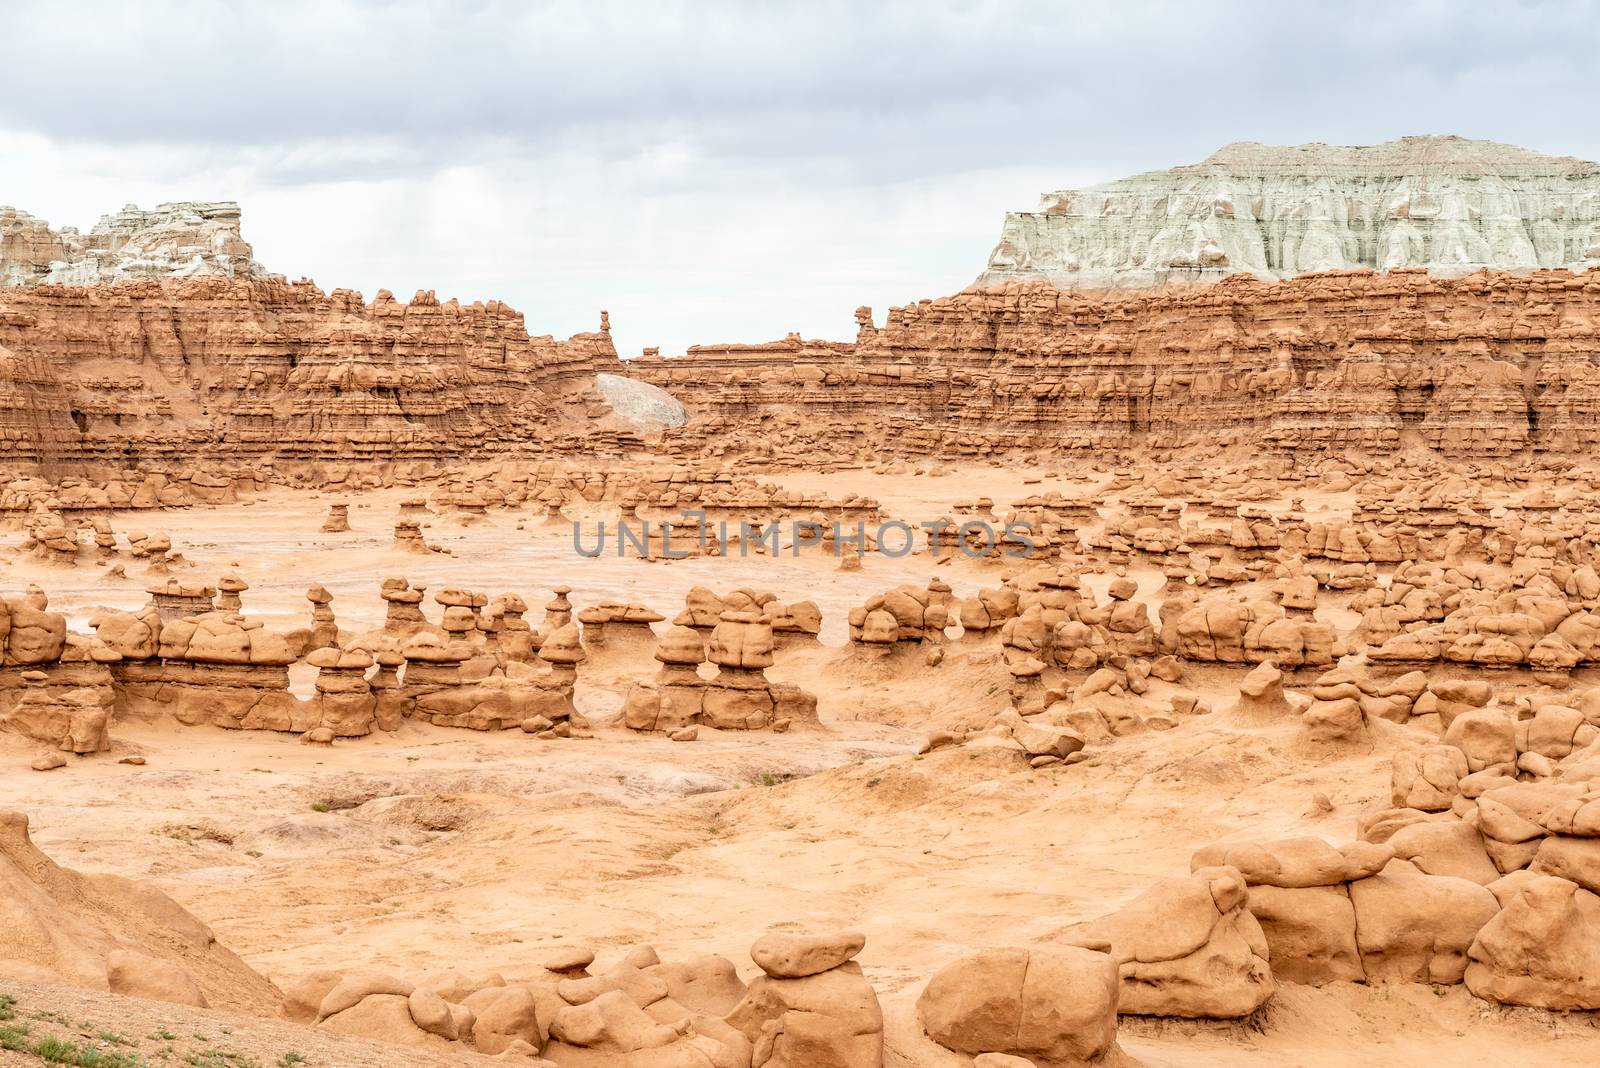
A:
(236, 368)
(1488, 364)
(231, 369)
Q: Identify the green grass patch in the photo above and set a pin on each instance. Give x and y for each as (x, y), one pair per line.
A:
(216, 1058)
(59, 1051)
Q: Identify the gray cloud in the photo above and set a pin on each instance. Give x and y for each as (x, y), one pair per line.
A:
(721, 170)
(895, 88)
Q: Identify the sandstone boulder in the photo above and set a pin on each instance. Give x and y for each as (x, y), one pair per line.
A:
(1187, 947)
(1055, 1007)
(1542, 948)
(794, 956)
(1417, 928)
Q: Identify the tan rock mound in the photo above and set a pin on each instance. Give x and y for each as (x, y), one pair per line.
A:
(109, 933)
(1542, 949)
(1187, 947)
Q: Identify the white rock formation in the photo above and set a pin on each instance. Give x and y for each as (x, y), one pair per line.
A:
(176, 240)
(647, 408)
(1444, 203)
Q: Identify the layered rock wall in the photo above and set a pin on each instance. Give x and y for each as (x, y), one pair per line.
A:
(1447, 204)
(1487, 364)
(230, 368)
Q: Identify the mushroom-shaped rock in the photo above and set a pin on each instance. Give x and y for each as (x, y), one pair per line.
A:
(826, 1019)
(681, 645)
(1261, 696)
(229, 587)
(563, 646)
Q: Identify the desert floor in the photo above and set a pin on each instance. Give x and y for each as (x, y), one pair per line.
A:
(447, 849)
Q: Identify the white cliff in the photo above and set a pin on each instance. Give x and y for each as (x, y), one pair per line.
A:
(1444, 203)
(173, 240)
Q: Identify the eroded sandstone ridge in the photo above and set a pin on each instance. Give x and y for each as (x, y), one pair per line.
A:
(1448, 204)
(1484, 365)
(182, 240)
(157, 369)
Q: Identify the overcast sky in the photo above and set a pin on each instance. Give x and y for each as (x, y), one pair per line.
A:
(720, 171)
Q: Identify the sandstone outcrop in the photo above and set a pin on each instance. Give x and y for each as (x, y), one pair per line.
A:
(812, 1008)
(109, 933)
(75, 720)
(1334, 360)
(1355, 912)
(251, 367)
(1187, 947)
(1542, 949)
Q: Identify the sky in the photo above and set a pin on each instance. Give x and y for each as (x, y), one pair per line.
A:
(720, 171)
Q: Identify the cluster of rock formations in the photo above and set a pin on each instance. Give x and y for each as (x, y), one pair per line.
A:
(1398, 562)
(143, 488)
(1187, 947)
(1483, 873)
(190, 655)
(736, 635)
(1411, 618)
(810, 1007)
(1446, 204)
(1509, 799)
(692, 494)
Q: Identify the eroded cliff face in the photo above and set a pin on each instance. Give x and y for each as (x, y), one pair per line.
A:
(1484, 365)
(181, 240)
(230, 368)
(1444, 203)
